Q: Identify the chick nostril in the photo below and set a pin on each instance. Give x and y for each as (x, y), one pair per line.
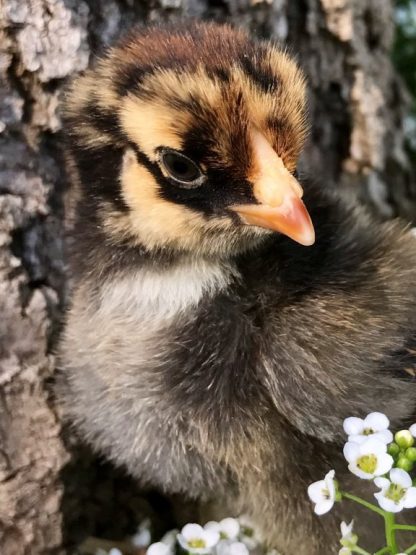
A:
(270, 194)
(273, 190)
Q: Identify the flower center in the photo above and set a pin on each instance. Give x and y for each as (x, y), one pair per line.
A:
(367, 463)
(368, 431)
(325, 493)
(395, 492)
(246, 531)
(196, 543)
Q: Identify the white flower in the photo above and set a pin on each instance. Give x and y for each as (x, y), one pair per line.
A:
(247, 532)
(322, 493)
(194, 539)
(159, 548)
(412, 430)
(246, 523)
(397, 493)
(348, 539)
(345, 551)
(375, 425)
(347, 534)
(170, 538)
(142, 537)
(226, 547)
(368, 459)
(114, 551)
(228, 528)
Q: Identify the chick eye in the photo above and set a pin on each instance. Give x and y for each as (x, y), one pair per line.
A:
(181, 169)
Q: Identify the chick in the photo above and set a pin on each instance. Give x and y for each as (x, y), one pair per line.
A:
(213, 345)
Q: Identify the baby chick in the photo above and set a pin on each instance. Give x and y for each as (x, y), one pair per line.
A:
(213, 346)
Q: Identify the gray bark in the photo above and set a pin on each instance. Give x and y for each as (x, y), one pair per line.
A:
(52, 493)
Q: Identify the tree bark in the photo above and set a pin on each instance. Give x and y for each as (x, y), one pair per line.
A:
(53, 493)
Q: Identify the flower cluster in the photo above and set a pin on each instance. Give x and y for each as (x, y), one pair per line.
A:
(372, 453)
(230, 536)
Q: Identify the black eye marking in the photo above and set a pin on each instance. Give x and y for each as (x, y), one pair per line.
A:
(180, 169)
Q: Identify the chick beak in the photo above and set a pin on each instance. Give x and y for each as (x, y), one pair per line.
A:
(279, 196)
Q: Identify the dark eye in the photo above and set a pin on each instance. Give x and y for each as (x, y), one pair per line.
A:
(181, 169)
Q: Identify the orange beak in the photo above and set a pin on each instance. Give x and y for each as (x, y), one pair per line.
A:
(279, 195)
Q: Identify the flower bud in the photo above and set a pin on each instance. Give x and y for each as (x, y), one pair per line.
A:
(404, 439)
(410, 454)
(393, 449)
(404, 464)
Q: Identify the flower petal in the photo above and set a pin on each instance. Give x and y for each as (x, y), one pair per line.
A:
(400, 477)
(382, 483)
(238, 548)
(384, 464)
(211, 538)
(212, 525)
(250, 542)
(385, 436)
(353, 425)
(409, 500)
(358, 438)
(412, 430)
(192, 531)
(351, 451)
(170, 538)
(330, 484)
(373, 445)
(323, 507)
(158, 548)
(346, 529)
(387, 504)
(142, 538)
(316, 491)
(345, 551)
(230, 527)
(376, 421)
(222, 547)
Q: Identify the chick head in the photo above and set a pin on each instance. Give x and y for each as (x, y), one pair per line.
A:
(187, 139)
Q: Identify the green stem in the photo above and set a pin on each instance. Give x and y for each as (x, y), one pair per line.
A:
(357, 549)
(382, 551)
(364, 503)
(405, 527)
(360, 550)
(411, 549)
(390, 532)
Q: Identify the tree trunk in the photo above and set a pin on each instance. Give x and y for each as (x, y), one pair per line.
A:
(53, 493)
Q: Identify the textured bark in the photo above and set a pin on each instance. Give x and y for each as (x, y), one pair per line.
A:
(51, 493)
